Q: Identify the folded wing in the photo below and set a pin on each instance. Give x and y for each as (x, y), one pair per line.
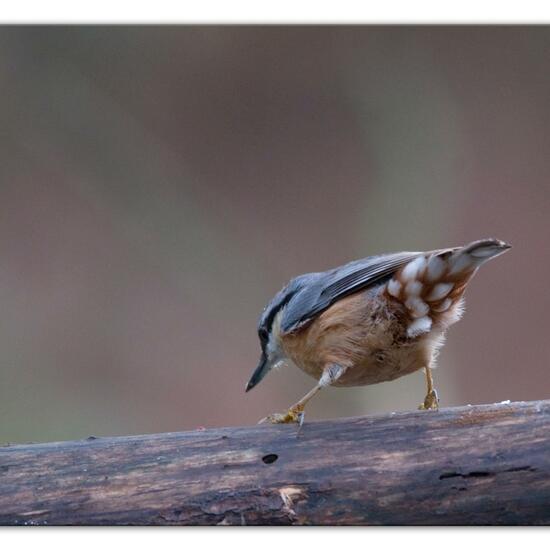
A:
(337, 283)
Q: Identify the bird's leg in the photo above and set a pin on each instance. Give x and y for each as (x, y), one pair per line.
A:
(296, 412)
(431, 401)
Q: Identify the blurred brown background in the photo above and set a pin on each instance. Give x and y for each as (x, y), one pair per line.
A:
(160, 184)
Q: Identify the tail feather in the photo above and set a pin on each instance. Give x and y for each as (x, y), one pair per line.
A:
(475, 254)
(486, 249)
(431, 287)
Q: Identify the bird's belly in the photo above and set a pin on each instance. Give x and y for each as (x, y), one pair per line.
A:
(395, 363)
(383, 367)
(361, 334)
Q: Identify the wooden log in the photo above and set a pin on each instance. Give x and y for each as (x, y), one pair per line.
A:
(486, 464)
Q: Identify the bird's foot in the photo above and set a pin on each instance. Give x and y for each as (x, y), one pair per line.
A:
(294, 414)
(431, 402)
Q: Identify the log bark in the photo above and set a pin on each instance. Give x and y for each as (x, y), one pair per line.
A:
(486, 464)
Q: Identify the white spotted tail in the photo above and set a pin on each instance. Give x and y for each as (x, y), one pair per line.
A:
(431, 287)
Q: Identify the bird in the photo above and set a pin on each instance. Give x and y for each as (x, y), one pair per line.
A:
(369, 321)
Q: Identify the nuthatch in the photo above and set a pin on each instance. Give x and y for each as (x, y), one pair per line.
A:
(369, 321)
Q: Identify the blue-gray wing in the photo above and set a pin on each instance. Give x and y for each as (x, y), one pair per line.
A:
(317, 295)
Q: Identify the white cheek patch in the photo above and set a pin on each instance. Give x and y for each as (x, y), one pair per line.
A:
(439, 291)
(411, 270)
(274, 349)
(419, 326)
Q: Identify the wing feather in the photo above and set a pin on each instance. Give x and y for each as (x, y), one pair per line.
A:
(368, 272)
(333, 285)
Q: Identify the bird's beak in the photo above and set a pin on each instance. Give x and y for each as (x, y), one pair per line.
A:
(261, 370)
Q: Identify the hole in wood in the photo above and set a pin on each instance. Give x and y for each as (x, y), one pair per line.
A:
(270, 458)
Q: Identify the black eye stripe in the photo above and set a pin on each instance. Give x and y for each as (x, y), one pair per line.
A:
(269, 316)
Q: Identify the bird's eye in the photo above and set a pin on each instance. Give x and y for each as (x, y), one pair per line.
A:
(263, 334)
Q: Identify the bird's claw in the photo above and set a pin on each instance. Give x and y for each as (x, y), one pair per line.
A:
(292, 415)
(431, 402)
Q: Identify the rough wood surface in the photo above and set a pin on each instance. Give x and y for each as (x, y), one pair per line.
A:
(487, 464)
